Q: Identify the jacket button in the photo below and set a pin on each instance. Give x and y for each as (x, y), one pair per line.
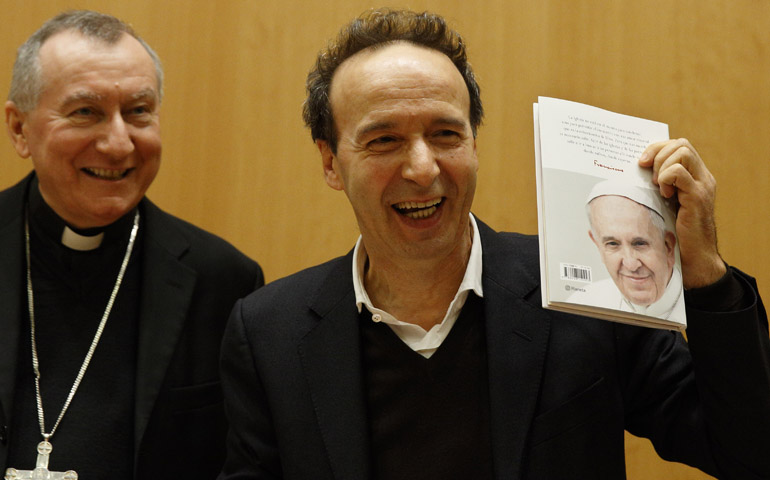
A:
(3, 434)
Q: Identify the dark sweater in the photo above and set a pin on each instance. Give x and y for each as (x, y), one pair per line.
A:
(429, 418)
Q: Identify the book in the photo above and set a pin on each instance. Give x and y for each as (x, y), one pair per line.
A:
(608, 246)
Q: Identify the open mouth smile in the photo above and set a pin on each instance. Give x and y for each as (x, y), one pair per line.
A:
(107, 174)
(418, 210)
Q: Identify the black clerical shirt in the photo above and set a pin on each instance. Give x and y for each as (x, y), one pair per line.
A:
(71, 290)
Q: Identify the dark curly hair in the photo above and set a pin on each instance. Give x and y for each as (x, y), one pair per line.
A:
(373, 29)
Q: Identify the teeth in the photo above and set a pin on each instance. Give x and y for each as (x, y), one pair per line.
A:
(411, 205)
(421, 213)
(106, 174)
(417, 210)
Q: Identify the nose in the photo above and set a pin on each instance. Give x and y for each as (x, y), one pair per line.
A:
(420, 166)
(630, 260)
(116, 140)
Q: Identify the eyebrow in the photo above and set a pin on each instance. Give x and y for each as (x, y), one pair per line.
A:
(373, 127)
(451, 121)
(81, 96)
(633, 240)
(144, 94)
(147, 93)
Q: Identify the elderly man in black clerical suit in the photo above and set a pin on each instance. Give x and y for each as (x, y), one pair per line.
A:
(424, 352)
(112, 310)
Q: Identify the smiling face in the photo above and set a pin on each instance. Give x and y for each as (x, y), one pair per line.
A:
(406, 156)
(638, 254)
(94, 136)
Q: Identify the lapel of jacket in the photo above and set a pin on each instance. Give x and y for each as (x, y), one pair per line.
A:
(166, 292)
(331, 359)
(517, 338)
(11, 300)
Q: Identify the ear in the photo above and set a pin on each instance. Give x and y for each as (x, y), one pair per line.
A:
(669, 240)
(591, 234)
(14, 121)
(330, 165)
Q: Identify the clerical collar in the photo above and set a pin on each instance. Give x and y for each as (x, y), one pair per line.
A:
(76, 241)
(51, 225)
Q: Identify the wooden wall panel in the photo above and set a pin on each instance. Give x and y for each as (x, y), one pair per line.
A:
(238, 161)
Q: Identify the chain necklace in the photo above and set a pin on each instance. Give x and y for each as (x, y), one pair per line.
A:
(44, 448)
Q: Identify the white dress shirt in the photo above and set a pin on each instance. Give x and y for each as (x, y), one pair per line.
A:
(422, 342)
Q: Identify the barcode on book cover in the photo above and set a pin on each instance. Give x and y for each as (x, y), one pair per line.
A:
(579, 273)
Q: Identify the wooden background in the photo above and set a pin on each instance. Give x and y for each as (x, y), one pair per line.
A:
(238, 161)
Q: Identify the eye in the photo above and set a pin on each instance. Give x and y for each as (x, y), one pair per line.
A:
(447, 137)
(383, 143)
(84, 116)
(83, 112)
(140, 114)
(136, 110)
(447, 133)
(382, 140)
(640, 243)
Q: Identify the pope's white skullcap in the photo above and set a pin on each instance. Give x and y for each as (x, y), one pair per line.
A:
(648, 197)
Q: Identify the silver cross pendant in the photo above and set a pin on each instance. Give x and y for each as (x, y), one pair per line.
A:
(41, 471)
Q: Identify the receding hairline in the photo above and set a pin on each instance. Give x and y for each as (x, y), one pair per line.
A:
(377, 48)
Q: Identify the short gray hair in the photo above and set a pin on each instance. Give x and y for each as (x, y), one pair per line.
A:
(27, 82)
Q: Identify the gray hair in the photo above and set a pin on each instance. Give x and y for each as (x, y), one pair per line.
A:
(27, 82)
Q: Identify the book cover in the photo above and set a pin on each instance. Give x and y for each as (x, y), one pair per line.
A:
(608, 246)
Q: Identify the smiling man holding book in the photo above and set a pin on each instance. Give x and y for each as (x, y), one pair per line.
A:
(425, 352)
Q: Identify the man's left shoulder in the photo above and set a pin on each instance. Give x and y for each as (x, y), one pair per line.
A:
(193, 245)
(510, 247)
(493, 238)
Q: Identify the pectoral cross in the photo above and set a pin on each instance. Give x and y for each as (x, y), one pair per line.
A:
(41, 471)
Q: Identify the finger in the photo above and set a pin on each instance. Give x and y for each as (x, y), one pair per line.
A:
(679, 170)
(675, 177)
(649, 153)
(679, 151)
(656, 153)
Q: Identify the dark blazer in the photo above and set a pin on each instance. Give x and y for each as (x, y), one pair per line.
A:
(191, 279)
(562, 388)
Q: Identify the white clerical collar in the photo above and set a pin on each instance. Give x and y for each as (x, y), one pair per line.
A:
(82, 243)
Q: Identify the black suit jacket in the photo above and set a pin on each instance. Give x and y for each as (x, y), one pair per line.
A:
(191, 279)
(562, 388)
